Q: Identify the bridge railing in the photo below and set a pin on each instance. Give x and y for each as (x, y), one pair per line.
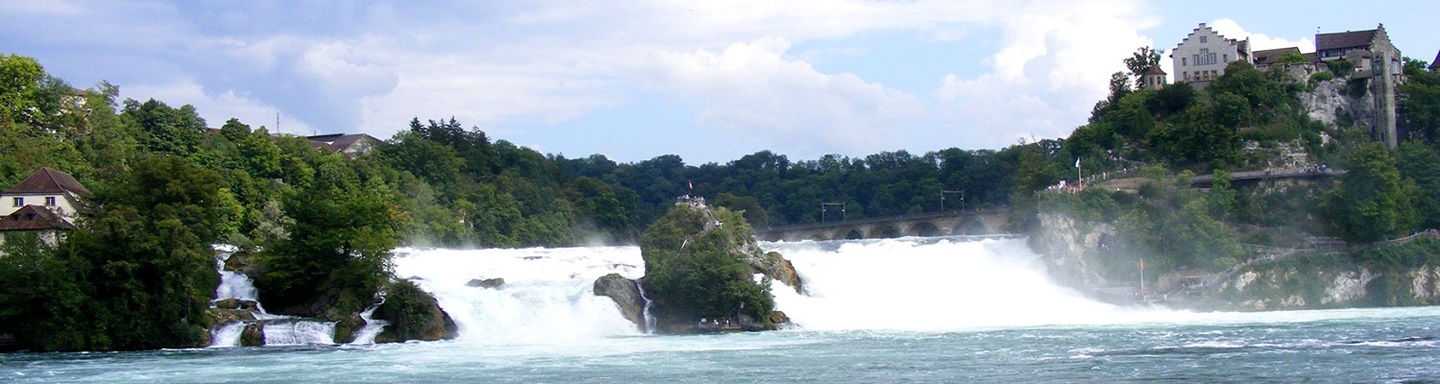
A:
(873, 220)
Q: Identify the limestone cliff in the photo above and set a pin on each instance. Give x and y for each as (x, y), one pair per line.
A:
(1069, 248)
(1402, 275)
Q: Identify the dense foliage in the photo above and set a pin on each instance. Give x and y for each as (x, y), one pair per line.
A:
(139, 275)
(694, 269)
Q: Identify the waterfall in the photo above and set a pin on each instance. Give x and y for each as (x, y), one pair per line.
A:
(372, 328)
(299, 332)
(893, 284)
(279, 330)
(649, 318)
(548, 294)
(227, 335)
(935, 284)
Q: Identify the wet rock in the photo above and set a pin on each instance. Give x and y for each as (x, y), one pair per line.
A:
(626, 295)
(413, 315)
(253, 335)
(486, 283)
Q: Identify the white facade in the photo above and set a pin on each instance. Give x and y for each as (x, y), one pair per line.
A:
(62, 204)
(1202, 56)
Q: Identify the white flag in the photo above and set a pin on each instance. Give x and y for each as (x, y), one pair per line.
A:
(1077, 162)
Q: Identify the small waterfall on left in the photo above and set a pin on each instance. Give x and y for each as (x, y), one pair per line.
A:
(238, 302)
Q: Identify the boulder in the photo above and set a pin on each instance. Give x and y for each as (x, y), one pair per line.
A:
(413, 315)
(346, 327)
(248, 305)
(486, 283)
(778, 317)
(222, 315)
(253, 335)
(626, 294)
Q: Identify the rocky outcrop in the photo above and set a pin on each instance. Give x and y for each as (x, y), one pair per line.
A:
(700, 265)
(1068, 247)
(626, 294)
(248, 305)
(486, 283)
(253, 335)
(1329, 103)
(345, 328)
(413, 315)
(223, 315)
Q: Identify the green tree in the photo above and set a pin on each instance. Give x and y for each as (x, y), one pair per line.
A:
(1420, 165)
(1141, 61)
(1371, 203)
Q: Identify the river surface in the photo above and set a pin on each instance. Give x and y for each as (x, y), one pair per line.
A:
(906, 310)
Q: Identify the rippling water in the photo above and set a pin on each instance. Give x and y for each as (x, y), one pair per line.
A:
(1372, 345)
(878, 311)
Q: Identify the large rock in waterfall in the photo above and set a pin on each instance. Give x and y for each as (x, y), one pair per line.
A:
(626, 294)
(413, 315)
(700, 264)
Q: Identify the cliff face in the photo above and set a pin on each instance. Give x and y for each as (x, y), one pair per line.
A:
(1332, 101)
(1070, 248)
(1078, 254)
(1328, 285)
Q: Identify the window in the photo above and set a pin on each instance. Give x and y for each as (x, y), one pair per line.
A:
(1183, 62)
(1226, 57)
(19, 201)
(1202, 39)
(50, 201)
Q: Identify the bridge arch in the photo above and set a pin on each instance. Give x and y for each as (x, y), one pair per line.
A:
(923, 229)
(884, 231)
(970, 226)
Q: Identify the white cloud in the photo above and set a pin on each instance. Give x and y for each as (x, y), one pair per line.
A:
(504, 65)
(1259, 41)
(218, 108)
(752, 90)
(1053, 66)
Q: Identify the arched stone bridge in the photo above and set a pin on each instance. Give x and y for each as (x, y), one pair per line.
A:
(972, 222)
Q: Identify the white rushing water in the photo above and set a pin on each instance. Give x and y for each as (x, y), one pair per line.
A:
(927, 284)
(894, 284)
(366, 335)
(548, 295)
(278, 330)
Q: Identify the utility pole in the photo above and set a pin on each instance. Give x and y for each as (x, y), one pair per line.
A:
(822, 211)
(942, 199)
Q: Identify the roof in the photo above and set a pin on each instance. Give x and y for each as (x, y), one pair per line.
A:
(47, 180)
(1154, 70)
(1270, 56)
(1435, 64)
(1338, 40)
(341, 142)
(33, 218)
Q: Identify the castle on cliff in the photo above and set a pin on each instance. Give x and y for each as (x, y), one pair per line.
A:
(1201, 57)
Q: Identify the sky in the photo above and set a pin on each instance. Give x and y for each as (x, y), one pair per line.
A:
(710, 81)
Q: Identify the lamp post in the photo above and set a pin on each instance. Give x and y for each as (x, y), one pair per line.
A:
(822, 211)
(942, 199)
